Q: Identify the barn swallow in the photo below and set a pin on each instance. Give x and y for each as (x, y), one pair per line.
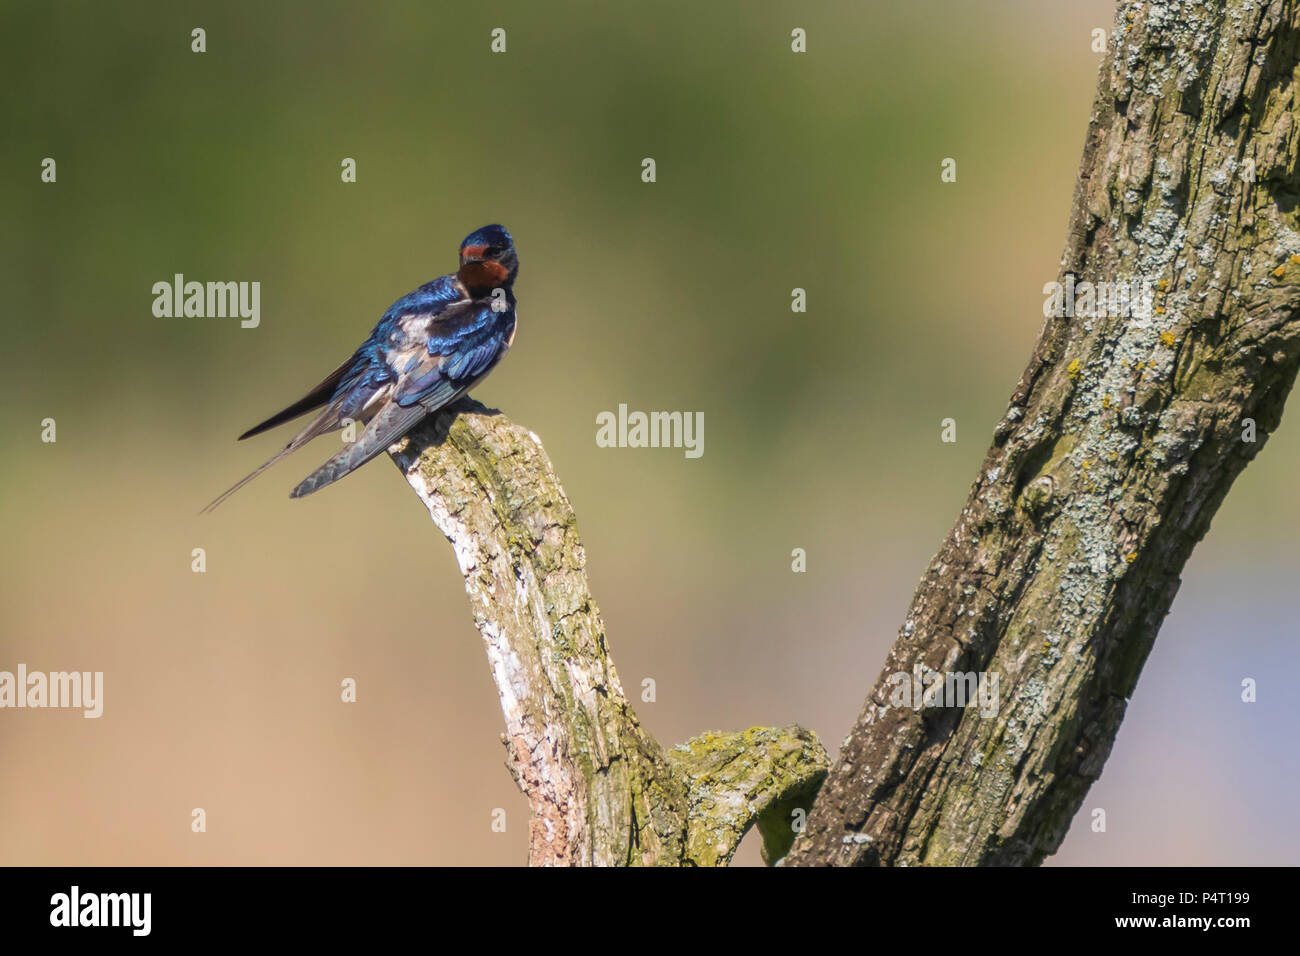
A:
(431, 347)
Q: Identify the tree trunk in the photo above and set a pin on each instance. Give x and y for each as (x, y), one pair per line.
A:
(1122, 438)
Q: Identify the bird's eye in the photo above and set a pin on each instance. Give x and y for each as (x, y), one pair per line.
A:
(493, 251)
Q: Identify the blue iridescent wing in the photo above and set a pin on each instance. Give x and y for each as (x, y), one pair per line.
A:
(433, 361)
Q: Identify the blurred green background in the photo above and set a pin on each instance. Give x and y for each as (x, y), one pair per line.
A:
(775, 171)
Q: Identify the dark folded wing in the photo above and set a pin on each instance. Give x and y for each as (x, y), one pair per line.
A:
(317, 397)
(426, 381)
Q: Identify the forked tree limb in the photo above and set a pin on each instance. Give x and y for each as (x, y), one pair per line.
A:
(1121, 440)
(602, 791)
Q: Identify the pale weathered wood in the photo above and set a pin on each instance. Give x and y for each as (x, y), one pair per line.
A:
(602, 790)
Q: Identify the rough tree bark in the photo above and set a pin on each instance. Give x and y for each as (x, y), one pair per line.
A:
(1120, 442)
(602, 790)
(1122, 438)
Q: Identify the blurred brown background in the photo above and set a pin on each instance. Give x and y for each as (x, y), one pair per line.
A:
(775, 170)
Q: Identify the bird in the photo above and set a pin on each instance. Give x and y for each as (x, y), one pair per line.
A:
(430, 347)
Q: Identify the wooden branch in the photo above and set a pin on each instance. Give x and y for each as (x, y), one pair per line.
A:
(602, 791)
(1121, 440)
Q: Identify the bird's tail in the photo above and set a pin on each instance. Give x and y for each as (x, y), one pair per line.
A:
(318, 426)
(246, 479)
(390, 424)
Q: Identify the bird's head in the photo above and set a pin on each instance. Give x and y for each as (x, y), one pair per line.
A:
(487, 258)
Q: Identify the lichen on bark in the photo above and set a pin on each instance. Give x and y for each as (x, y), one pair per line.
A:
(602, 791)
(1121, 439)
